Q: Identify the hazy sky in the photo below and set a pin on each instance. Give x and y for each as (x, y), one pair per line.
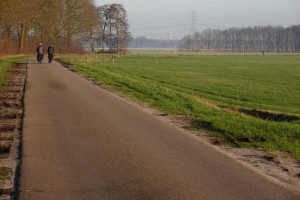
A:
(155, 18)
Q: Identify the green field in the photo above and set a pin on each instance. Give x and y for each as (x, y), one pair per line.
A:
(249, 101)
(4, 66)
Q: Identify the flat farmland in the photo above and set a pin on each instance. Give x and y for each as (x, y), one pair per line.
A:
(246, 100)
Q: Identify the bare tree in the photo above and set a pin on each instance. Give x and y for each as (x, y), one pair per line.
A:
(114, 27)
(92, 22)
(121, 26)
(104, 17)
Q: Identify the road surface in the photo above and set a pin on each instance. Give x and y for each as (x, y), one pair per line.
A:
(82, 142)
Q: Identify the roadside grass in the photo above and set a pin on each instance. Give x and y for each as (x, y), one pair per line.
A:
(5, 63)
(251, 101)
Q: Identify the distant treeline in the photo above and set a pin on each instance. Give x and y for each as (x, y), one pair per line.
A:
(258, 38)
(64, 23)
(143, 42)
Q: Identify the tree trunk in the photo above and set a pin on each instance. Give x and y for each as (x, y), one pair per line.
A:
(92, 42)
(103, 37)
(22, 38)
(103, 45)
(118, 41)
(26, 36)
(110, 34)
(69, 40)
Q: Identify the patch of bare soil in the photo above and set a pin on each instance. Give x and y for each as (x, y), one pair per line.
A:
(11, 115)
(275, 166)
(261, 114)
(277, 117)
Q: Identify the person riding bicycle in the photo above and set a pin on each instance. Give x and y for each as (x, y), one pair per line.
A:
(40, 52)
(50, 53)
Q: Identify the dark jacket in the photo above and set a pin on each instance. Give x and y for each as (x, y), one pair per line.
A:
(40, 49)
(50, 50)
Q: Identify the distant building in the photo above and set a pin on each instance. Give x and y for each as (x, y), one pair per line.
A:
(170, 36)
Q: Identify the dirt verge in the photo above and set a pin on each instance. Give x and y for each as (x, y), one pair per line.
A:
(11, 116)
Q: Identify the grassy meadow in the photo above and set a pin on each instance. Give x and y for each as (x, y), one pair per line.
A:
(248, 100)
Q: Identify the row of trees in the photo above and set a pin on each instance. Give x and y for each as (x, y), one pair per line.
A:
(266, 38)
(64, 23)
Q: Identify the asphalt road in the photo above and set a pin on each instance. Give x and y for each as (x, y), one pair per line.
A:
(82, 142)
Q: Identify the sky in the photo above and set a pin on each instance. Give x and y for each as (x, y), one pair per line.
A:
(156, 18)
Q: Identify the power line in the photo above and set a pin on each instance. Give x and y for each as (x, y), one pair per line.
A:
(174, 33)
(162, 27)
(180, 25)
(194, 25)
(239, 21)
(215, 26)
(161, 19)
(197, 18)
(184, 25)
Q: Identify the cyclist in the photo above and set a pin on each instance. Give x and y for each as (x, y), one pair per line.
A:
(50, 53)
(40, 52)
